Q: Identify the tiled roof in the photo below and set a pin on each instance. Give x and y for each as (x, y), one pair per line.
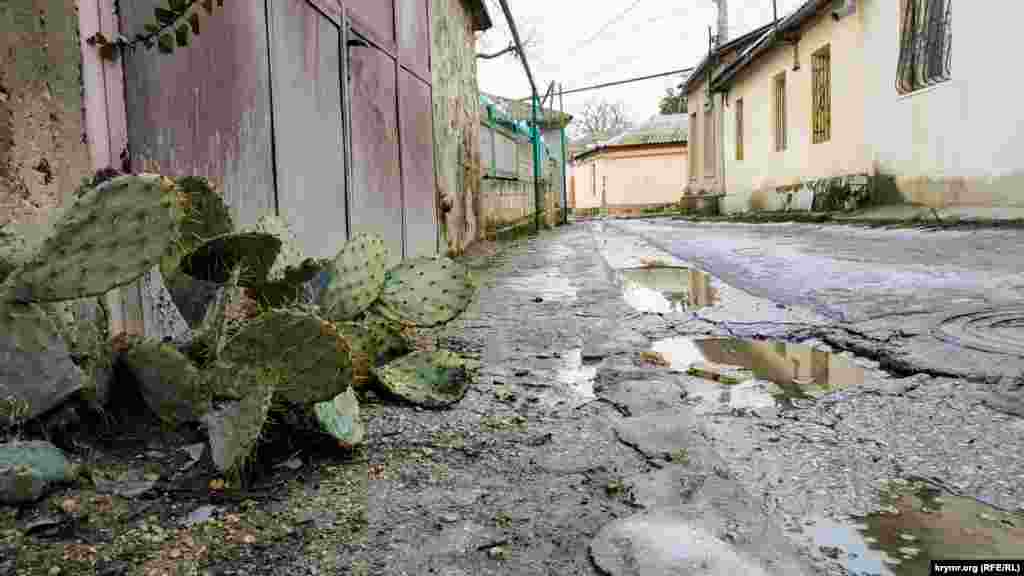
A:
(700, 72)
(660, 129)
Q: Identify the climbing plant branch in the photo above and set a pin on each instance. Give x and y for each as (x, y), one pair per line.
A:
(173, 26)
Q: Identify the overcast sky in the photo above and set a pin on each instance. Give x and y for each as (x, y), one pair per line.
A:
(652, 36)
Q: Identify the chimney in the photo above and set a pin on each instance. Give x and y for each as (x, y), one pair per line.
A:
(723, 21)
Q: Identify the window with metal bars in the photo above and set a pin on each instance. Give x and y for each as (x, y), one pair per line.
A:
(780, 112)
(926, 40)
(739, 129)
(821, 67)
(694, 150)
(709, 142)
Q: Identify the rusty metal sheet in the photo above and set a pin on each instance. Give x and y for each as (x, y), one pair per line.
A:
(413, 41)
(375, 197)
(374, 19)
(417, 138)
(305, 56)
(205, 110)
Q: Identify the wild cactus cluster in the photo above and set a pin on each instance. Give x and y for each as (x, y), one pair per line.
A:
(319, 330)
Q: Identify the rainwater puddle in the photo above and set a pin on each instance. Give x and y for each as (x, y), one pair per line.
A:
(667, 289)
(576, 377)
(916, 524)
(547, 286)
(754, 374)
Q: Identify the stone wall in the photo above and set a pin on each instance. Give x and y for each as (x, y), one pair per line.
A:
(456, 125)
(43, 149)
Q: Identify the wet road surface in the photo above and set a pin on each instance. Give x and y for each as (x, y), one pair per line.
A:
(738, 393)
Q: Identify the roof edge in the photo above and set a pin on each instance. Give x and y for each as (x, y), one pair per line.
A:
(698, 71)
(794, 21)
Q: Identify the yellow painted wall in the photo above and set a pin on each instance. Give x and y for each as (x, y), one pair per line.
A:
(631, 177)
(752, 182)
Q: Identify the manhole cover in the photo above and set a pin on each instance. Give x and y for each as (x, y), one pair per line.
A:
(999, 330)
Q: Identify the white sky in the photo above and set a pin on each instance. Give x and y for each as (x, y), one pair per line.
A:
(655, 36)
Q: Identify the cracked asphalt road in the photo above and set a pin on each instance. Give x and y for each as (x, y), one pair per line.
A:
(570, 451)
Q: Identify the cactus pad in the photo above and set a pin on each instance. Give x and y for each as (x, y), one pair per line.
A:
(340, 419)
(205, 217)
(36, 369)
(291, 288)
(108, 237)
(214, 260)
(354, 278)
(290, 255)
(309, 353)
(235, 428)
(431, 379)
(170, 383)
(387, 338)
(426, 292)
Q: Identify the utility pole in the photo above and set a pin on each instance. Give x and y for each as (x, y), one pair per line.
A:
(775, 12)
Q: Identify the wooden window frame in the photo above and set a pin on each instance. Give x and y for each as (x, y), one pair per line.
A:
(779, 100)
(739, 129)
(821, 95)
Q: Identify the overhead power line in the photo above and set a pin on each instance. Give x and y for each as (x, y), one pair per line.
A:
(606, 26)
(619, 82)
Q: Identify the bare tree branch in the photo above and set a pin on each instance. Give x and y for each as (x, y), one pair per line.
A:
(502, 52)
(600, 120)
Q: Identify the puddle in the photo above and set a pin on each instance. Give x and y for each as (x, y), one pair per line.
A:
(757, 374)
(667, 289)
(546, 286)
(917, 524)
(577, 378)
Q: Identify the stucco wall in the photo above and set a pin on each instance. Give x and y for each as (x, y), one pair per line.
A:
(43, 147)
(644, 177)
(632, 177)
(456, 124)
(752, 182)
(959, 142)
(587, 196)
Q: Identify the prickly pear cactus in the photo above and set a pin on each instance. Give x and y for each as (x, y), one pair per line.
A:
(290, 255)
(386, 337)
(291, 288)
(251, 252)
(435, 379)
(106, 238)
(355, 278)
(36, 369)
(171, 385)
(426, 292)
(206, 217)
(340, 418)
(308, 352)
(235, 428)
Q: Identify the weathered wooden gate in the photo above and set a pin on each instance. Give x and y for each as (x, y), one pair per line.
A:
(316, 110)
